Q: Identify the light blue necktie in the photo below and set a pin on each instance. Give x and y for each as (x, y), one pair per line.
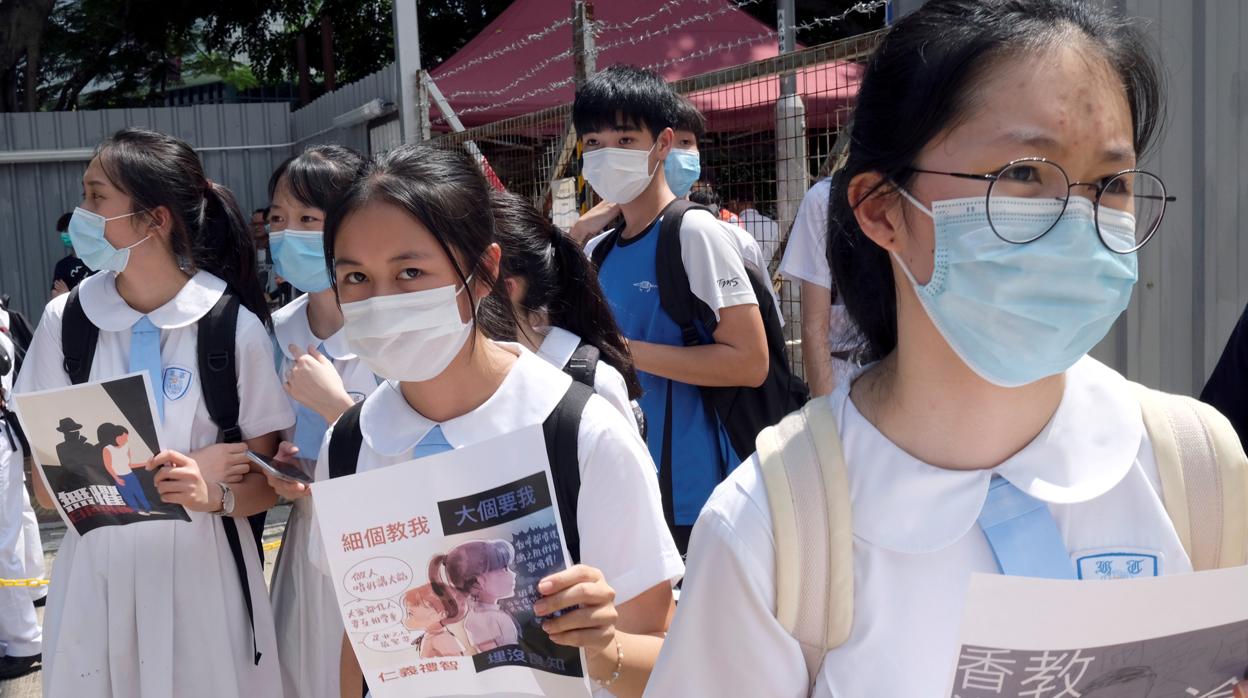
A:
(310, 427)
(145, 356)
(1023, 535)
(433, 444)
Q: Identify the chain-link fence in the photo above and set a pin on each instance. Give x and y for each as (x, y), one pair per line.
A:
(771, 128)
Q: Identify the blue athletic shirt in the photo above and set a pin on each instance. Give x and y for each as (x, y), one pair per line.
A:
(701, 453)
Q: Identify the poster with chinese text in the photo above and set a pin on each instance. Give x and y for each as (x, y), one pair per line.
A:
(92, 443)
(1181, 636)
(436, 563)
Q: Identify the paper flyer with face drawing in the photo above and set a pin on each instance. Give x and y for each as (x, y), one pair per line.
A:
(92, 443)
(1181, 636)
(436, 563)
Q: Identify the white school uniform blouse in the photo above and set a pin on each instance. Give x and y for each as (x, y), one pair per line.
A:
(305, 611)
(619, 515)
(806, 259)
(557, 348)
(916, 543)
(155, 609)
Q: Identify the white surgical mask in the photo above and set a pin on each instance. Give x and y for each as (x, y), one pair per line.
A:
(409, 337)
(619, 175)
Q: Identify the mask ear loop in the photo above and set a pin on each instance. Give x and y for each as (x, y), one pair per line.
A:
(919, 205)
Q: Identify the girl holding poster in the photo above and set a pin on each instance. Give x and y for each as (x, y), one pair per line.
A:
(166, 608)
(413, 252)
(323, 378)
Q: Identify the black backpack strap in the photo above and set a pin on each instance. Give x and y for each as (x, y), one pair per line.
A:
(675, 296)
(345, 442)
(78, 339)
(604, 248)
(583, 366)
(562, 429)
(218, 381)
(218, 371)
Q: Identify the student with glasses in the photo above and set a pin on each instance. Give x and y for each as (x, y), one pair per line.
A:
(984, 236)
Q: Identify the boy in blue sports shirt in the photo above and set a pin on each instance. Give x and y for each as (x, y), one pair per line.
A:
(624, 117)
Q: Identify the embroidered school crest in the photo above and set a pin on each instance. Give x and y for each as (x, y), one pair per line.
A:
(1117, 564)
(177, 381)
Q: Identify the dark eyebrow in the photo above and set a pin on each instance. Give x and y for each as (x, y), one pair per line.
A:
(401, 257)
(94, 183)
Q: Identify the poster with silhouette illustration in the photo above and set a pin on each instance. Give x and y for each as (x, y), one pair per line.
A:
(1180, 636)
(435, 564)
(92, 443)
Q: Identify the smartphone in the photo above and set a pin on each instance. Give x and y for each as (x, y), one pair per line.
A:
(283, 470)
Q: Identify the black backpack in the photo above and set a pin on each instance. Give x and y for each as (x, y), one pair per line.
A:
(10, 427)
(218, 378)
(583, 367)
(20, 332)
(561, 430)
(743, 411)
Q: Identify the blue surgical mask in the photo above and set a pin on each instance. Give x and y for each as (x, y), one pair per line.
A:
(1019, 313)
(299, 257)
(86, 232)
(66, 241)
(682, 168)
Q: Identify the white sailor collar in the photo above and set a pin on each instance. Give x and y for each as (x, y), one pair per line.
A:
(107, 310)
(291, 326)
(526, 397)
(558, 346)
(904, 504)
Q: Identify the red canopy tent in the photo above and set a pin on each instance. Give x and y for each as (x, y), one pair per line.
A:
(522, 62)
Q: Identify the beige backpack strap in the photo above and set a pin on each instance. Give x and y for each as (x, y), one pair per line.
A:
(1204, 477)
(803, 468)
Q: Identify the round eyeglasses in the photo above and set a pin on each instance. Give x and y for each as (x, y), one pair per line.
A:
(1128, 205)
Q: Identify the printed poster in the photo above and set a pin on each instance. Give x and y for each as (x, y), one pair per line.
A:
(1182, 636)
(92, 443)
(436, 563)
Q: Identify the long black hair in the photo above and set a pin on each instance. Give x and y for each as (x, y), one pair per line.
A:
(208, 230)
(920, 80)
(444, 190)
(560, 281)
(319, 175)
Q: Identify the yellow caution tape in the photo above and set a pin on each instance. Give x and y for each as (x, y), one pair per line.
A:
(25, 582)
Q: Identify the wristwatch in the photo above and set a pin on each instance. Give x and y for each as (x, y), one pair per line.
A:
(227, 501)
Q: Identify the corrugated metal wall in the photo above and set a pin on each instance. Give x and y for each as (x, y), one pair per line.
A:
(1192, 283)
(34, 195)
(312, 124)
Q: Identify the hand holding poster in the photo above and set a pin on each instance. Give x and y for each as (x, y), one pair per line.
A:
(100, 481)
(1173, 636)
(437, 581)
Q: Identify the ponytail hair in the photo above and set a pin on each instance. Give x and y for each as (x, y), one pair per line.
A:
(444, 592)
(208, 231)
(560, 282)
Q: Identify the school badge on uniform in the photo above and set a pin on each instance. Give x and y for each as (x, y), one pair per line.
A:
(1117, 563)
(176, 381)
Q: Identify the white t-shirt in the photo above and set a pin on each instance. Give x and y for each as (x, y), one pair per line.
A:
(557, 348)
(806, 259)
(916, 543)
(753, 257)
(111, 599)
(712, 261)
(766, 232)
(119, 458)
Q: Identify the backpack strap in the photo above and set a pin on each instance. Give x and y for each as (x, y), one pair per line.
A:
(675, 296)
(1204, 477)
(78, 339)
(562, 429)
(583, 366)
(218, 372)
(345, 442)
(803, 468)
